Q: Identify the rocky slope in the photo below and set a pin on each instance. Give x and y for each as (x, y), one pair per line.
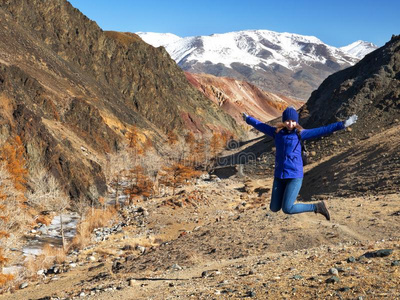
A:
(235, 97)
(370, 89)
(284, 63)
(72, 92)
(365, 156)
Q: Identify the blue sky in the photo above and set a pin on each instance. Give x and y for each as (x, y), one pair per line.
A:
(337, 23)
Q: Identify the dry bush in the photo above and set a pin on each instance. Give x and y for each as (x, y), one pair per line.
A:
(44, 219)
(100, 218)
(48, 195)
(4, 278)
(95, 218)
(50, 255)
(57, 254)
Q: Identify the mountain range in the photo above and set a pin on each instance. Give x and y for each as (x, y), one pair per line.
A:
(286, 63)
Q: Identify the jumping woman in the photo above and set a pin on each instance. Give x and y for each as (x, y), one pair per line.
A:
(288, 175)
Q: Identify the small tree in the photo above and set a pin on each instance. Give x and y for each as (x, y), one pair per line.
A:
(140, 184)
(172, 138)
(116, 171)
(176, 174)
(134, 142)
(3, 235)
(58, 202)
(216, 144)
(12, 154)
(200, 156)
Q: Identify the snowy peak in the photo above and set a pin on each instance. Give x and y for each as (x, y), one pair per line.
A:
(249, 47)
(158, 39)
(278, 62)
(359, 49)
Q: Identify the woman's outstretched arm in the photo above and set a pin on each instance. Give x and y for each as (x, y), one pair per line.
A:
(260, 126)
(321, 131)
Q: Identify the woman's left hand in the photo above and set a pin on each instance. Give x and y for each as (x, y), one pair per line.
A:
(350, 121)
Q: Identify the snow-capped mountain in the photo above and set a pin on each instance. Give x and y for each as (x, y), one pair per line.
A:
(286, 63)
(359, 49)
(159, 39)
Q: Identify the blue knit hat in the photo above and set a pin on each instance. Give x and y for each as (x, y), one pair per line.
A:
(290, 114)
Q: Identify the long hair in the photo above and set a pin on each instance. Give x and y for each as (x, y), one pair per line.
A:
(280, 126)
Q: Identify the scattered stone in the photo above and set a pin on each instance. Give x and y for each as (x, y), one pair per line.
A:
(128, 247)
(332, 279)
(297, 277)
(340, 270)
(91, 258)
(53, 270)
(82, 294)
(205, 176)
(141, 249)
(250, 294)
(132, 282)
(276, 278)
(73, 265)
(378, 253)
(176, 267)
(333, 271)
(313, 278)
(24, 285)
(395, 263)
(96, 267)
(351, 259)
(41, 272)
(344, 289)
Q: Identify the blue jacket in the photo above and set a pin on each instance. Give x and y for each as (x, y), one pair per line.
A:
(288, 161)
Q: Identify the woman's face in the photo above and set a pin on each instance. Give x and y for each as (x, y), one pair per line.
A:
(290, 124)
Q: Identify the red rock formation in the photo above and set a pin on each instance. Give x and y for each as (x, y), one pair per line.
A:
(235, 97)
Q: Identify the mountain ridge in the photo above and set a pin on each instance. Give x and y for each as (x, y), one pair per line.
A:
(286, 63)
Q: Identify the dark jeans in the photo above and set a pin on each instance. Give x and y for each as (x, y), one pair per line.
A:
(284, 194)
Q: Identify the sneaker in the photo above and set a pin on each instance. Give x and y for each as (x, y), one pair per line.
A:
(320, 208)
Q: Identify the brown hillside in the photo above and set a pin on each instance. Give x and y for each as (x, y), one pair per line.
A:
(72, 92)
(145, 78)
(370, 89)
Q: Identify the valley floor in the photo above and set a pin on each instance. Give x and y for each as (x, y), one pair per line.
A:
(219, 240)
